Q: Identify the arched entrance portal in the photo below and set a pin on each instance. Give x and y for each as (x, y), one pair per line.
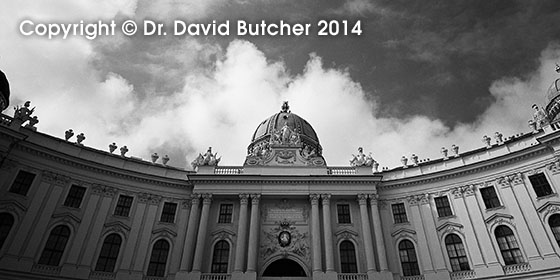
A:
(284, 268)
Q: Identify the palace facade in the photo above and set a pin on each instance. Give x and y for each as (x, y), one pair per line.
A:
(68, 211)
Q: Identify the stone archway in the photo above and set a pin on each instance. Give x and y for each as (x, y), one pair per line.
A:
(284, 268)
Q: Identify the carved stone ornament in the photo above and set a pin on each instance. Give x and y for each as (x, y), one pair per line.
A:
(418, 199)
(55, 178)
(554, 166)
(314, 198)
(149, 198)
(186, 204)
(23, 113)
(361, 159)
(285, 239)
(362, 198)
(255, 197)
(244, 198)
(104, 190)
(461, 191)
(208, 158)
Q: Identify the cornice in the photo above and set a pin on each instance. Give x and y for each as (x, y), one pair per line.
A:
(465, 170)
(104, 169)
(283, 179)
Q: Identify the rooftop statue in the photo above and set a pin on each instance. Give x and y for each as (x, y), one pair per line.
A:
(285, 136)
(539, 116)
(207, 159)
(361, 159)
(23, 113)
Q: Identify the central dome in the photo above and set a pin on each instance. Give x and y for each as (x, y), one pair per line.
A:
(268, 127)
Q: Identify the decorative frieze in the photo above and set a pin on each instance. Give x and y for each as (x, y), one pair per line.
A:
(55, 178)
(104, 190)
(186, 204)
(149, 198)
(418, 199)
(461, 191)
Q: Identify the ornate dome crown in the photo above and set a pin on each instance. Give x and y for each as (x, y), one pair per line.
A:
(552, 98)
(4, 92)
(285, 139)
(270, 126)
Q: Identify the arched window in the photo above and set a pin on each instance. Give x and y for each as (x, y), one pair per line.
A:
(456, 252)
(508, 245)
(109, 253)
(348, 257)
(220, 257)
(553, 222)
(54, 248)
(409, 262)
(158, 260)
(6, 223)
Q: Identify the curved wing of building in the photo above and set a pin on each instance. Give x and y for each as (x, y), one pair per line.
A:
(68, 211)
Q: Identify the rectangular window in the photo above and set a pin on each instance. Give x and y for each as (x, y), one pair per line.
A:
(490, 197)
(343, 211)
(75, 196)
(22, 183)
(168, 213)
(399, 213)
(123, 206)
(540, 184)
(442, 206)
(226, 212)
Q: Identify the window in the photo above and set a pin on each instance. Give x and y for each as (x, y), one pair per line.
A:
(343, 211)
(442, 206)
(456, 252)
(348, 258)
(75, 196)
(22, 183)
(490, 197)
(168, 212)
(508, 245)
(109, 253)
(409, 262)
(158, 259)
(6, 223)
(54, 248)
(399, 213)
(220, 257)
(553, 222)
(226, 211)
(123, 206)
(540, 184)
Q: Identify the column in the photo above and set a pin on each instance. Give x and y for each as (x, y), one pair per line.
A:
(253, 234)
(366, 232)
(201, 237)
(182, 215)
(379, 243)
(315, 232)
(186, 259)
(241, 234)
(329, 255)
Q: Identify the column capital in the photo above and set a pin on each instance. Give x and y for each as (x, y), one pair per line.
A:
(195, 199)
(362, 198)
(326, 197)
(186, 204)
(314, 198)
(255, 197)
(373, 198)
(206, 198)
(244, 198)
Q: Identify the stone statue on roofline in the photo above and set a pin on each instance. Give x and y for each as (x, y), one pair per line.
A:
(540, 116)
(361, 159)
(23, 113)
(208, 158)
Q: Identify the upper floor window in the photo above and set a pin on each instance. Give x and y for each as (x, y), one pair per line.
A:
(348, 262)
(456, 252)
(123, 206)
(22, 183)
(226, 212)
(6, 223)
(168, 212)
(407, 255)
(343, 213)
(442, 206)
(220, 257)
(399, 213)
(109, 253)
(553, 222)
(158, 260)
(540, 184)
(75, 196)
(508, 245)
(54, 248)
(490, 197)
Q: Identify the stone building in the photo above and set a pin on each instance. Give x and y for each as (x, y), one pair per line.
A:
(68, 211)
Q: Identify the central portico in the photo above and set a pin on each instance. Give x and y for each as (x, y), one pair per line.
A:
(292, 216)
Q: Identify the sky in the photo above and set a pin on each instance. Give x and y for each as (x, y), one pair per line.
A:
(422, 75)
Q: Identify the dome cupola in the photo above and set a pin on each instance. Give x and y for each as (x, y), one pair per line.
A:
(288, 131)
